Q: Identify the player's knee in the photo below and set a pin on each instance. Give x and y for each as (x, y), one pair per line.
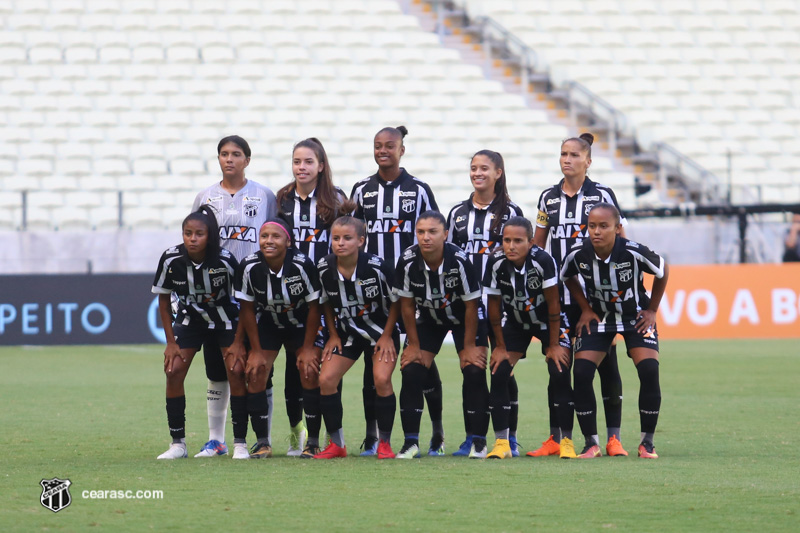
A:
(473, 376)
(328, 383)
(502, 375)
(383, 383)
(584, 373)
(648, 374)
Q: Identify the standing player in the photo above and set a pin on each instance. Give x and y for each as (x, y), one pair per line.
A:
(390, 202)
(241, 206)
(563, 214)
(521, 282)
(200, 274)
(279, 290)
(476, 225)
(361, 312)
(612, 269)
(308, 204)
(439, 293)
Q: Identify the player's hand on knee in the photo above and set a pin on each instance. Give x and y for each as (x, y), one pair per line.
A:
(411, 354)
(171, 353)
(235, 357)
(333, 346)
(499, 355)
(308, 361)
(256, 366)
(474, 355)
(384, 349)
(559, 355)
(587, 317)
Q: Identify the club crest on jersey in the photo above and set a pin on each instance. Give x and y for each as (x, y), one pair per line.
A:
(408, 205)
(250, 210)
(217, 282)
(625, 275)
(371, 292)
(296, 289)
(450, 283)
(55, 494)
(587, 208)
(534, 283)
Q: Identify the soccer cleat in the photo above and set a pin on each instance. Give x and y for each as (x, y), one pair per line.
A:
(501, 450)
(385, 450)
(590, 451)
(260, 451)
(370, 447)
(512, 440)
(309, 451)
(466, 446)
(176, 450)
(566, 449)
(614, 448)
(436, 447)
(332, 451)
(410, 450)
(297, 440)
(646, 450)
(240, 451)
(212, 448)
(549, 447)
(475, 453)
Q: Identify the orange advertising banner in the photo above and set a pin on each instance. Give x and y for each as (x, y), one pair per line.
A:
(730, 302)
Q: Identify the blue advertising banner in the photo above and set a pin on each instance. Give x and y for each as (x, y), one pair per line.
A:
(78, 309)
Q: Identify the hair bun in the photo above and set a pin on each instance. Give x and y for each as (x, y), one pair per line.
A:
(403, 131)
(588, 137)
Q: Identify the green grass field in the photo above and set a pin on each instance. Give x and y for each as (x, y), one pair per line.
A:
(95, 415)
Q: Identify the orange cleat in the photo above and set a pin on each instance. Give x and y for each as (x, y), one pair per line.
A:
(549, 447)
(332, 451)
(614, 448)
(647, 450)
(385, 450)
(590, 452)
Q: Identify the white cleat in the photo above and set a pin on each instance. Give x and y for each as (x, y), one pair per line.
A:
(408, 452)
(475, 454)
(297, 441)
(176, 450)
(240, 451)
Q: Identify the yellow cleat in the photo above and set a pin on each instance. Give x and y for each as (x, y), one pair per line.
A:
(567, 449)
(501, 450)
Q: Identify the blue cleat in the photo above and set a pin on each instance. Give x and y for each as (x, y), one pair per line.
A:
(466, 446)
(212, 448)
(514, 446)
(436, 447)
(370, 447)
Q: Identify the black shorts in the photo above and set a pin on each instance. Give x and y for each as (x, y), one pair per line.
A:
(273, 338)
(355, 345)
(518, 339)
(193, 336)
(601, 342)
(431, 336)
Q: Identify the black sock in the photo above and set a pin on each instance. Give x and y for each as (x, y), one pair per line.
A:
(467, 422)
(313, 417)
(414, 376)
(239, 417)
(258, 409)
(585, 403)
(499, 397)
(552, 411)
(385, 407)
(513, 397)
(330, 406)
(649, 394)
(176, 417)
(562, 397)
(611, 388)
(293, 390)
(477, 399)
(368, 395)
(433, 396)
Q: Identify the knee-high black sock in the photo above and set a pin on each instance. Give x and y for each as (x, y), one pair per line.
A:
(500, 399)
(330, 406)
(293, 390)
(385, 407)
(258, 409)
(649, 394)
(513, 414)
(585, 403)
(611, 389)
(562, 397)
(411, 400)
(467, 422)
(176, 417)
(368, 395)
(239, 418)
(477, 399)
(313, 418)
(433, 396)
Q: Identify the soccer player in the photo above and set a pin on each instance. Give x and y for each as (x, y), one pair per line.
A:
(521, 282)
(241, 205)
(439, 293)
(613, 268)
(361, 312)
(390, 201)
(200, 274)
(278, 288)
(308, 204)
(563, 213)
(476, 225)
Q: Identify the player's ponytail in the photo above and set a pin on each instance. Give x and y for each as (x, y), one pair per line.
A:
(399, 131)
(205, 215)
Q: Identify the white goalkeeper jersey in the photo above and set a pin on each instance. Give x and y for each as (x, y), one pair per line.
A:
(239, 215)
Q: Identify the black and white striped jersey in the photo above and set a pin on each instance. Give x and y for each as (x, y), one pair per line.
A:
(469, 228)
(281, 298)
(390, 210)
(439, 294)
(614, 287)
(310, 234)
(361, 303)
(239, 215)
(205, 292)
(566, 217)
(522, 290)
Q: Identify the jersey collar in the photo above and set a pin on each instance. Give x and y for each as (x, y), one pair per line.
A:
(585, 187)
(396, 183)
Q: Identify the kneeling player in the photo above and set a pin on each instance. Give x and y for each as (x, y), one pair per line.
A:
(439, 292)
(361, 312)
(521, 281)
(613, 270)
(280, 286)
(201, 274)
